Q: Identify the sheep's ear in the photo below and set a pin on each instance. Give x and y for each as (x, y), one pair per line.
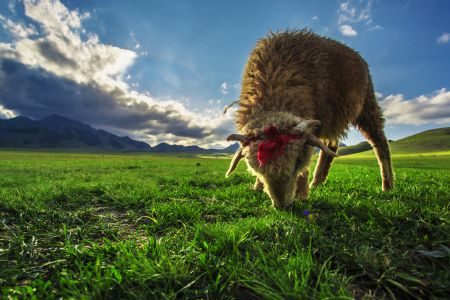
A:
(307, 126)
(316, 142)
(234, 162)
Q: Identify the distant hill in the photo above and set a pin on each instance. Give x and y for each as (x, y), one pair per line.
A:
(347, 150)
(60, 132)
(433, 140)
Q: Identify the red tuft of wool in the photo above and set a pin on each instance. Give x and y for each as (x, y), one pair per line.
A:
(274, 146)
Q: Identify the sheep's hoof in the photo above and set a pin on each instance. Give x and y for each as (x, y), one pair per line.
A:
(302, 193)
(303, 199)
(284, 207)
(387, 186)
(315, 184)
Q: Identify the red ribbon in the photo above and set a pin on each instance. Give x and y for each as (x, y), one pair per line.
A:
(274, 146)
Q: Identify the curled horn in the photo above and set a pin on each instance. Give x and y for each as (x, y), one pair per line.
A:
(237, 137)
(314, 141)
(306, 125)
(234, 162)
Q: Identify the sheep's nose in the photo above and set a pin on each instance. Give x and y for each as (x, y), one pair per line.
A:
(282, 205)
(280, 199)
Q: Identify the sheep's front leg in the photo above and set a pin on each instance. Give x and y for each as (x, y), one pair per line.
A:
(323, 166)
(302, 186)
(258, 186)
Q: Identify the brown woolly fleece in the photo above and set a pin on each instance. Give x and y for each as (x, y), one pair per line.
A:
(297, 75)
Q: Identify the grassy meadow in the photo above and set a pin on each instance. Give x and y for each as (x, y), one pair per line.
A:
(147, 226)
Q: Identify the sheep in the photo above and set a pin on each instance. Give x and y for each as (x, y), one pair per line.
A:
(300, 91)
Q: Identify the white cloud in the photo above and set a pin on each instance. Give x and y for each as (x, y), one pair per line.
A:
(444, 38)
(430, 109)
(12, 6)
(347, 30)
(137, 45)
(352, 12)
(224, 88)
(378, 95)
(315, 18)
(17, 29)
(6, 113)
(60, 49)
(53, 16)
(376, 27)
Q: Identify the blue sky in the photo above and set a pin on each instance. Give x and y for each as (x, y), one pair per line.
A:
(164, 70)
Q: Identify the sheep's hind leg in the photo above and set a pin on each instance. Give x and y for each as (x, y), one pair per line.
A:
(323, 165)
(302, 186)
(258, 186)
(370, 123)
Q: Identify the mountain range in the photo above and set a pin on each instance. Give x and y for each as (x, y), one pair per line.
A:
(58, 132)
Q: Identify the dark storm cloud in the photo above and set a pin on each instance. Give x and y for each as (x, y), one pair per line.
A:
(51, 53)
(36, 93)
(179, 128)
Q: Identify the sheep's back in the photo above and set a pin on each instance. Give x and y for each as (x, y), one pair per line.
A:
(306, 74)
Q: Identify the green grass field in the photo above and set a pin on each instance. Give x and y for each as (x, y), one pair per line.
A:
(163, 227)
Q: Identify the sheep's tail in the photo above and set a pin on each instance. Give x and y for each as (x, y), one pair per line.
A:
(229, 106)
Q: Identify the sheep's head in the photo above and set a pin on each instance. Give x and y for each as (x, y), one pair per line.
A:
(277, 154)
